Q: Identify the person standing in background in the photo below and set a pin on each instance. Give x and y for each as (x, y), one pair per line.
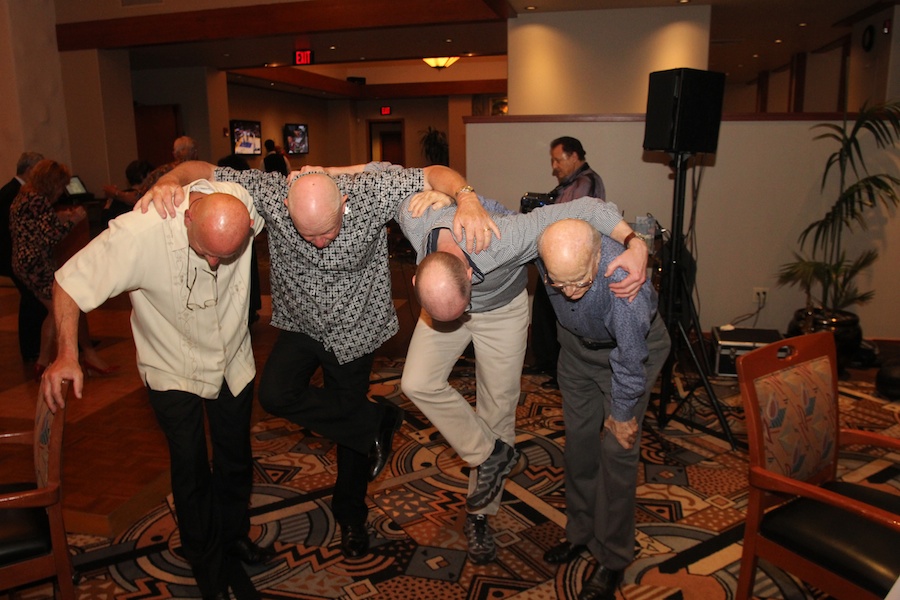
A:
(36, 229)
(32, 311)
(275, 161)
(576, 179)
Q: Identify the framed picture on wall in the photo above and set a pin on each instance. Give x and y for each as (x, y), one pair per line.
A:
(296, 138)
(246, 137)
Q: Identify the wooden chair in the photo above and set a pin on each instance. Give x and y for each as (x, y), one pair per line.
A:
(840, 537)
(33, 544)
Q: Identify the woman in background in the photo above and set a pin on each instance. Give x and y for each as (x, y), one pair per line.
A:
(36, 229)
(119, 202)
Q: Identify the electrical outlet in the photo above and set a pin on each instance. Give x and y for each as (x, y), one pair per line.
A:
(760, 295)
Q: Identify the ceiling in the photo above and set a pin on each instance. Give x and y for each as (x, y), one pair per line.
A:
(743, 36)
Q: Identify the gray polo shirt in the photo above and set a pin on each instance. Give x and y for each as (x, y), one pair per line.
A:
(498, 273)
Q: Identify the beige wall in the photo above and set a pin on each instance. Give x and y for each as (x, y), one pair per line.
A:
(32, 108)
(100, 114)
(595, 62)
(822, 81)
(761, 192)
(779, 91)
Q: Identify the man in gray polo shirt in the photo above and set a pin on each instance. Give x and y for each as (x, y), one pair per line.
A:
(481, 298)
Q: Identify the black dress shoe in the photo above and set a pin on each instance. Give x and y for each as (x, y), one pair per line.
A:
(551, 384)
(381, 448)
(535, 370)
(602, 585)
(563, 553)
(354, 540)
(250, 553)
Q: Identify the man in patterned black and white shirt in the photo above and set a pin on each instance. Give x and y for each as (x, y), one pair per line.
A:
(331, 299)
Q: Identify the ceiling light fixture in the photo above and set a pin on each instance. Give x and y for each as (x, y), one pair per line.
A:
(440, 62)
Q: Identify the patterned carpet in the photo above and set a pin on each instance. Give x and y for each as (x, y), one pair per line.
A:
(691, 498)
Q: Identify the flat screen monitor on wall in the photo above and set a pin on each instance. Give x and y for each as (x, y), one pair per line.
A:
(296, 138)
(246, 137)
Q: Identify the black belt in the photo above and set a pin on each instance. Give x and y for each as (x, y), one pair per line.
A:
(607, 345)
(592, 345)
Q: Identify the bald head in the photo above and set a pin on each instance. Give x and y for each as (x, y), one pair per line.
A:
(443, 286)
(218, 227)
(316, 207)
(570, 250)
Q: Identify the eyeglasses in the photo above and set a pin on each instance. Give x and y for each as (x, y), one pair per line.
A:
(558, 285)
(190, 288)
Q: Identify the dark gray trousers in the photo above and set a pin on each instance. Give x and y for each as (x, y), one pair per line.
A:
(601, 476)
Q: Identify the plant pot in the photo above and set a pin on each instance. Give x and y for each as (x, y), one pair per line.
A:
(843, 324)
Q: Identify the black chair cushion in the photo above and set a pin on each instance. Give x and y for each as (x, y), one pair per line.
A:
(24, 532)
(853, 547)
(887, 380)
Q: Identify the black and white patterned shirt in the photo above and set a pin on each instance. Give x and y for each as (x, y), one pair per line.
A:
(339, 295)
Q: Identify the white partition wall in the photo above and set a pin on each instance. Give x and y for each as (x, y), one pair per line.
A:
(762, 190)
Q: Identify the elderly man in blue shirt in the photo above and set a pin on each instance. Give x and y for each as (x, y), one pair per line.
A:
(612, 350)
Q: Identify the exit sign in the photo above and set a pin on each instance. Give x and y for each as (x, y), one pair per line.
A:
(303, 57)
(385, 110)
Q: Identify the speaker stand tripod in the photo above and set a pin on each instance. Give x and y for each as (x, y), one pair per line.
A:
(674, 286)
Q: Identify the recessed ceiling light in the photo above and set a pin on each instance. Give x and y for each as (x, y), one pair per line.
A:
(684, 1)
(777, 41)
(531, 8)
(448, 40)
(332, 47)
(802, 24)
(756, 56)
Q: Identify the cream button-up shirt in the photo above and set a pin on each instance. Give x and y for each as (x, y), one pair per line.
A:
(189, 322)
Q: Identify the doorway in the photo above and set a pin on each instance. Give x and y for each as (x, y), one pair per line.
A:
(386, 142)
(156, 127)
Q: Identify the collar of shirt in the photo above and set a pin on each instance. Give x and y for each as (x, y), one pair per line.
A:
(477, 275)
(179, 231)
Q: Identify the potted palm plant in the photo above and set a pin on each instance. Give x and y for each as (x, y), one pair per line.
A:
(827, 275)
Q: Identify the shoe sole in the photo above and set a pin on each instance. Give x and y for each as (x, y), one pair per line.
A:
(506, 470)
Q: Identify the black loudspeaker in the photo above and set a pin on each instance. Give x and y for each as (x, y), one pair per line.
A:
(684, 110)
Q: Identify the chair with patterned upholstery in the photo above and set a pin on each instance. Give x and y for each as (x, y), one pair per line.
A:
(842, 538)
(33, 545)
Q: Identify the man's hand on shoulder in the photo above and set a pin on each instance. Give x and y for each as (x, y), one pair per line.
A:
(164, 196)
(475, 221)
(634, 261)
(433, 199)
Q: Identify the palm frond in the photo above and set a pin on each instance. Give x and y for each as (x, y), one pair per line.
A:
(827, 270)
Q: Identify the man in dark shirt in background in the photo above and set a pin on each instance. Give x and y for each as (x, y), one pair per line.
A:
(576, 180)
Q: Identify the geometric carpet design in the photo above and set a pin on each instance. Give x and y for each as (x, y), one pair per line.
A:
(691, 502)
